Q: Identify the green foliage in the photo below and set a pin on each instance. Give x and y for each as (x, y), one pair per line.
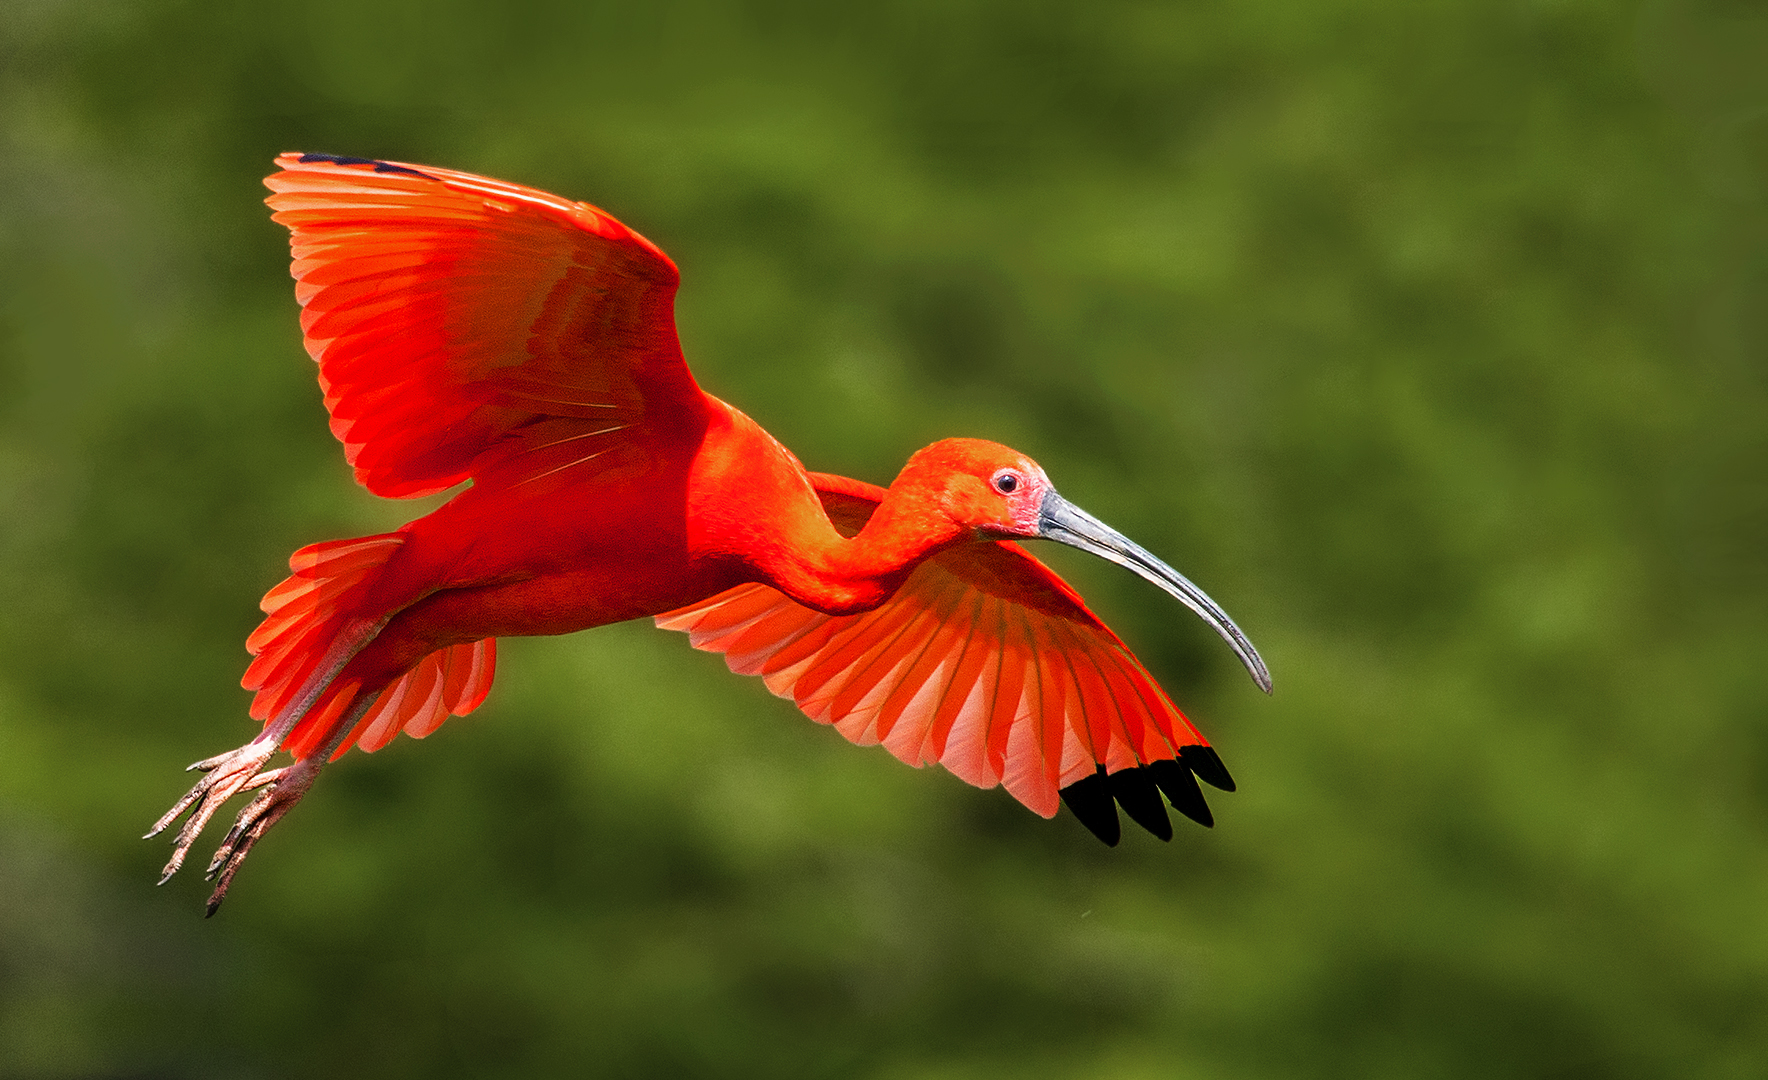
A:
(1429, 338)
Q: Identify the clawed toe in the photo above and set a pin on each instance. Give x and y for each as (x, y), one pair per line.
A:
(283, 788)
(225, 775)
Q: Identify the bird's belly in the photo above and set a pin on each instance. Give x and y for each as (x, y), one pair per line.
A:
(560, 602)
(515, 563)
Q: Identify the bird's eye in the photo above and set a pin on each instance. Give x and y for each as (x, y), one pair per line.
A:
(1006, 483)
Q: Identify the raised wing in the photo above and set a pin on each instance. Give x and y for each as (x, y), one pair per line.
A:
(985, 662)
(466, 327)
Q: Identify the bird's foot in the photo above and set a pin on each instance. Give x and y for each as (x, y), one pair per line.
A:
(283, 788)
(225, 775)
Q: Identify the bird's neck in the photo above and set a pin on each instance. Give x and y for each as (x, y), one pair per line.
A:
(843, 575)
(755, 506)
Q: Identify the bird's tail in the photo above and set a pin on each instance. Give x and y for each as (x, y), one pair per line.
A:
(315, 621)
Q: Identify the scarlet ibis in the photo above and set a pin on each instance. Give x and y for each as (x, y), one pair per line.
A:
(468, 329)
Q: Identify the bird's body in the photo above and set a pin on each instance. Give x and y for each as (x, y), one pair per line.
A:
(470, 329)
(555, 557)
(732, 506)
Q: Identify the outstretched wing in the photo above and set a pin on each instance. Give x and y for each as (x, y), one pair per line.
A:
(985, 662)
(466, 327)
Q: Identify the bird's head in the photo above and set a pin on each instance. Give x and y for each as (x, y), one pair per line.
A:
(993, 492)
(987, 490)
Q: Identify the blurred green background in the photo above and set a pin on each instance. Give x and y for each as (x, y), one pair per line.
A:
(1429, 337)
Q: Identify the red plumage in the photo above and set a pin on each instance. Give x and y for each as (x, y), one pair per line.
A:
(467, 329)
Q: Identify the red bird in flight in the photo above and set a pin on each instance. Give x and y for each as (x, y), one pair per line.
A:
(469, 329)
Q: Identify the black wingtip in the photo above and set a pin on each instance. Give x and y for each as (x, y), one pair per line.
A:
(1207, 764)
(1095, 799)
(379, 166)
(1140, 799)
(1090, 800)
(1181, 789)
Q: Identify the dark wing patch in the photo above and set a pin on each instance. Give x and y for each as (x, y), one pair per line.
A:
(1134, 790)
(379, 166)
(1090, 800)
(1138, 791)
(1207, 764)
(1180, 788)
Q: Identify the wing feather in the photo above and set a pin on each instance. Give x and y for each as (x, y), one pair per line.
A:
(963, 734)
(457, 321)
(452, 681)
(969, 663)
(984, 662)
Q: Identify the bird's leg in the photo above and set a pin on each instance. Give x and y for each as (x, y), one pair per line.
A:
(283, 788)
(225, 775)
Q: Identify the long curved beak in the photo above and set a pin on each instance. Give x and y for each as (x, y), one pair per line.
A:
(1066, 523)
